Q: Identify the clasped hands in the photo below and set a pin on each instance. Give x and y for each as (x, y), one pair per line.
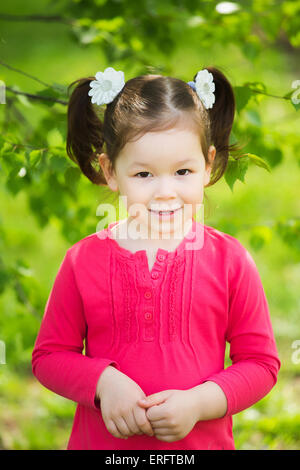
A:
(168, 415)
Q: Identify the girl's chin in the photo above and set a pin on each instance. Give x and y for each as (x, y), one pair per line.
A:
(153, 228)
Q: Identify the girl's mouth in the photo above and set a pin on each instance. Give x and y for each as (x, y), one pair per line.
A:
(165, 214)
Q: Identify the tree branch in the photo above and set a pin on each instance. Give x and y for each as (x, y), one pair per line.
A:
(26, 145)
(26, 74)
(268, 94)
(48, 19)
(37, 97)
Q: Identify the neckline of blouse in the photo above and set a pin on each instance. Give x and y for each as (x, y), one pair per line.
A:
(160, 251)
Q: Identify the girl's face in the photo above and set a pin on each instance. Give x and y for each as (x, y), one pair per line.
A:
(161, 171)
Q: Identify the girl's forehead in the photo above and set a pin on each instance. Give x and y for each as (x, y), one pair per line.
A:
(158, 150)
(172, 139)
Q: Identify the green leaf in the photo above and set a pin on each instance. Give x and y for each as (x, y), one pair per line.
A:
(6, 147)
(54, 138)
(236, 170)
(15, 181)
(34, 157)
(258, 161)
(61, 90)
(11, 161)
(242, 96)
(49, 93)
(296, 106)
(24, 100)
(112, 25)
(259, 86)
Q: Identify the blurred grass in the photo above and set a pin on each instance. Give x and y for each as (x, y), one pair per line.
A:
(32, 417)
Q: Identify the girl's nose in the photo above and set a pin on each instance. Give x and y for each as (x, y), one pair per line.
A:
(165, 189)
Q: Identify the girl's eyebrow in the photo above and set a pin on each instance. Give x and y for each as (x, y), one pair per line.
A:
(181, 162)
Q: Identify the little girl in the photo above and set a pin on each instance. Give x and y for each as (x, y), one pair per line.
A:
(155, 297)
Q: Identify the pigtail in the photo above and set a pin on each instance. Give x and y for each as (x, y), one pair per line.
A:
(221, 117)
(85, 131)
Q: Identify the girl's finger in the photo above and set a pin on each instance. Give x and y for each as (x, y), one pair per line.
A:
(139, 431)
(163, 431)
(122, 427)
(142, 421)
(112, 428)
(167, 437)
(132, 425)
(155, 412)
(161, 424)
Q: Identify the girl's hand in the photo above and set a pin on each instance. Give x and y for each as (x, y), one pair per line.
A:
(172, 414)
(118, 396)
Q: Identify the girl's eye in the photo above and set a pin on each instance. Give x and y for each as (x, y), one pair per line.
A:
(185, 170)
(142, 172)
(145, 172)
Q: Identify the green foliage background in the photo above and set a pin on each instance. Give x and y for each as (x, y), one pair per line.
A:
(47, 205)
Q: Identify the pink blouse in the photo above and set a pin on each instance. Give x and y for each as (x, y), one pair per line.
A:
(165, 329)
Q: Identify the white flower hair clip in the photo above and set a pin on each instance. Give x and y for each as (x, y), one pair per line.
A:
(106, 86)
(204, 87)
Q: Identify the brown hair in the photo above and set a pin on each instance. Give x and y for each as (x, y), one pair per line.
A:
(147, 103)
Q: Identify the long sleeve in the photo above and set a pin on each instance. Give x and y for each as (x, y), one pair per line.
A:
(253, 352)
(57, 359)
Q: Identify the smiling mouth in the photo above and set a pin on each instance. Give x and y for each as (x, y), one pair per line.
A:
(164, 213)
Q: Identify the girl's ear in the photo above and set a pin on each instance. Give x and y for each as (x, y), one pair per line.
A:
(209, 164)
(109, 174)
